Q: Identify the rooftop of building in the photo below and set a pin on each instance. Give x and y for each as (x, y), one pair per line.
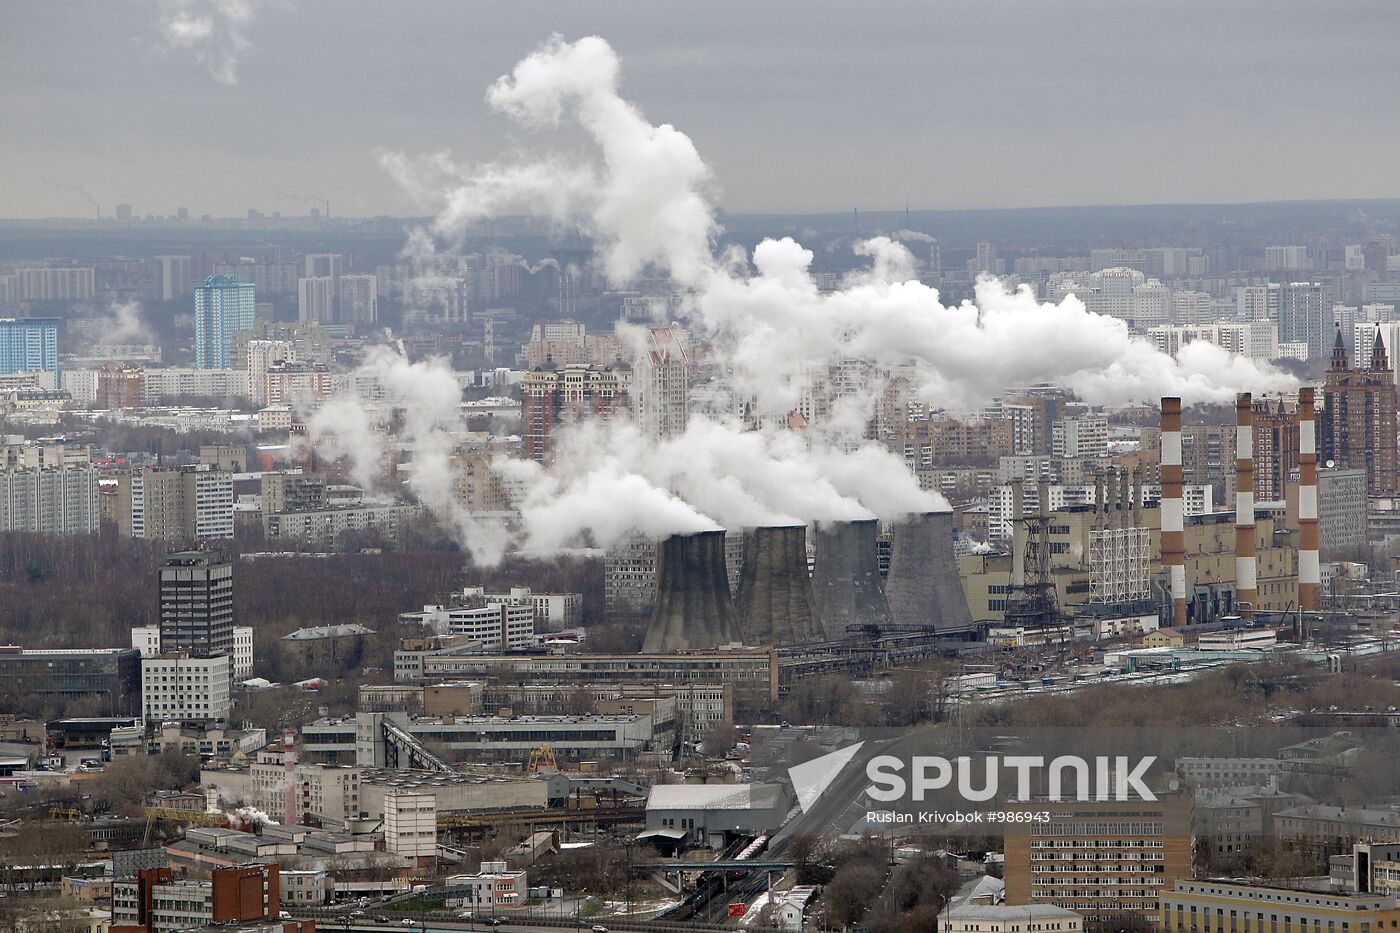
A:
(1002, 912)
(12, 650)
(714, 796)
(1328, 813)
(402, 779)
(327, 631)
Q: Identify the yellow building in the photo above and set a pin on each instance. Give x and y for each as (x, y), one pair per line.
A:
(1164, 638)
(1210, 562)
(1237, 907)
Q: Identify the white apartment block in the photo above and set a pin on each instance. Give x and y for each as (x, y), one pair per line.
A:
(261, 355)
(53, 501)
(1254, 339)
(63, 284)
(146, 639)
(162, 386)
(1286, 259)
(1152, 304)
(1190, 307)
(553, 611)
(177, 687)
(1111, 292)
(322, 791)
(1256, 303)
(1293, 351)
(242, 651)
(1080, 437)
(1197, 499)
(213, 504)
(316, 300)
(410, 824)
(492, 625)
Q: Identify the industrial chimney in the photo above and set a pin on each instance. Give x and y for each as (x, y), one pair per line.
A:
(775, 605)
(846, 578)
(1246, 564)
(290, 814)
(693, 607)
(1173, 509)
(924, 588)
(1309, 566)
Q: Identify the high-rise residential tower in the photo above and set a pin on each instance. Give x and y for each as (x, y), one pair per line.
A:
(29, 344)
(222, 306)
(196, 603)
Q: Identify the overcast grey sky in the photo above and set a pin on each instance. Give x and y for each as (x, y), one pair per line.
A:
(797, 106)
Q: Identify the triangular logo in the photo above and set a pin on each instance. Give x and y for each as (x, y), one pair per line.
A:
(811, 778)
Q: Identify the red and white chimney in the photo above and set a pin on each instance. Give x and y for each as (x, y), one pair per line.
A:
(1173, 509)
(1246, 562)
(290, 816)
(1309, 564)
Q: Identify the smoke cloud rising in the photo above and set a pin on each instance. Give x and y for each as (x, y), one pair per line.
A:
(214, 30)
(428, 402)
(125, 326)
(646, 200)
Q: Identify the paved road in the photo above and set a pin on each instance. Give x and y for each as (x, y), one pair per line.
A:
(843, 805)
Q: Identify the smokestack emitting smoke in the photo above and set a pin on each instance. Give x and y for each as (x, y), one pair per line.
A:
(1246, 564)
(775, 591)
(693, 606)
(645, 200)
(923, 588)
(1309, 566)
(846, 578)
(1173, 509)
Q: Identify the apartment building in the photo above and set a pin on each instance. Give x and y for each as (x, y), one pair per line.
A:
(1099, 858)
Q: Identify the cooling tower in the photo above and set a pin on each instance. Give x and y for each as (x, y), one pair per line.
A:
(846, 578)
(775, 604)
(693, 607)
(924, 588)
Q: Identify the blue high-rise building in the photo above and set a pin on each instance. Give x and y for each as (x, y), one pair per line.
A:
(222, 306)
(29, 344)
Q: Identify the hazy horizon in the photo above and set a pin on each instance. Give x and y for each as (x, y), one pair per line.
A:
(236, 104)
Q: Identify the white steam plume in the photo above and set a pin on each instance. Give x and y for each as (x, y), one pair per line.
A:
(608, 478)
(214, 30)
(645, 200)
(125, 325)
(428, 399)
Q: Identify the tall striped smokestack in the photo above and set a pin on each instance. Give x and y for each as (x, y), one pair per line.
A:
(1309, 567)
(1246, 563)
(290, 817)
(1173, 509)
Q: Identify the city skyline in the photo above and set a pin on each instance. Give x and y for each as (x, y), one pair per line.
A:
(1185, 107)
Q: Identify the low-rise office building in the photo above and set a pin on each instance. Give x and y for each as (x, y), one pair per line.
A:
(1219, 906)
(495, 886)
(154, 902)
(751, 673)
(175, 686)
(715, 815)
(110, 676)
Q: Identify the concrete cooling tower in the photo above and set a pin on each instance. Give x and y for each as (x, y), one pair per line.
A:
(775, 592)
(693, 606)
(846, 578)
(924, 588)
